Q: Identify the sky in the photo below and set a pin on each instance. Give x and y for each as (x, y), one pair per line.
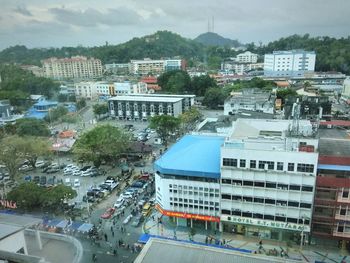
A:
(51, 23)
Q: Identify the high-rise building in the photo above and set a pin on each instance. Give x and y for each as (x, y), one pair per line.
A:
(148, 66)
(247, 57)
(72, 68)
(294, 63)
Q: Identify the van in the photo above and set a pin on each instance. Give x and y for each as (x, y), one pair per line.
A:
(146, 210)
(158, 141)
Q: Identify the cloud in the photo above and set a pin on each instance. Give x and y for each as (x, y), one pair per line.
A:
(92, 17)
(23, 11)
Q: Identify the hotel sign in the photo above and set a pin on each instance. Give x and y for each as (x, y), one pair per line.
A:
(266, 223)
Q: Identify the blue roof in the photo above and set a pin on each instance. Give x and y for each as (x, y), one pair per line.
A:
(33, 113)
(46, 103)
(334, 167)
(193, 155)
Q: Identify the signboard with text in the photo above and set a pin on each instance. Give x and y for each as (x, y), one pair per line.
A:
(188, 215)
(266, 223)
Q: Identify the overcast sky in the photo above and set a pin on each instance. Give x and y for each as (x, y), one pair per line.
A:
(51, 23)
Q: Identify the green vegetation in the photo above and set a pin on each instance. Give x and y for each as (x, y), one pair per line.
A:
(201, 84)
(66, 98)
(17, 84)
(31, 127)
(284, 93)
(102, 143)
(214, 39)
(165, 126)
(15, 149)
(56, 114)
(100, 109)
(189, 118)
(214, 97)
(81, 104)
(31, 197)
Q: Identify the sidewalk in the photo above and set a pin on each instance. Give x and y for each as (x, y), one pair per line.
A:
(309, 253)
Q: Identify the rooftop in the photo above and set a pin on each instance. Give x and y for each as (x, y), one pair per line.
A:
(184, 252)
(22, 221)
(145, 99)
(7, 230)
(334, 142)
(193, 155)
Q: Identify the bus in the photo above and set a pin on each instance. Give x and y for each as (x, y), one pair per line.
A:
(146, 210)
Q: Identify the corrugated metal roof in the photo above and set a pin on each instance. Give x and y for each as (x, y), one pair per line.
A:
(193, 155)
(334, 167)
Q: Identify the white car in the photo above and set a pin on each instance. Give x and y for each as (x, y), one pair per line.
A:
(127, 220)
(25, 168)
(119, 203)
(76, 183)
(111, 183)
(76, 173)
(126, 196)
(39, 164)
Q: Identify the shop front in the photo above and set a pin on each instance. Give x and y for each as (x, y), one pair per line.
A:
(264, 229)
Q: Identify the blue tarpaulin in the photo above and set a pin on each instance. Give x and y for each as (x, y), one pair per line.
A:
(144, 238)
(85, 227)
(53, 222)
(62, 224)
(75, 225)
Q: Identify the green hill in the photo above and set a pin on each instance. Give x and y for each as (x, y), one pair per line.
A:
(213, 39)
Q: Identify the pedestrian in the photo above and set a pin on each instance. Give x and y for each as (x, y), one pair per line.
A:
(206, 240)
(114, 252)
(112, 233)
(94, 257)
(111, 228)
(106, 237)
(127, 246)
(113, 222)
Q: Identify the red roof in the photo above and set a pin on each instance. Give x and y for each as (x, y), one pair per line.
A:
(336, 160)
(335, 123)
(154, 87)
(149, 80)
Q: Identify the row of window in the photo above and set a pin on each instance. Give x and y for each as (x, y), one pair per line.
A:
(279, 218)
(262, 200)
(195, 188)
(194, 201)
(268, 165)
(272, 185)
(210, 208)
(188, 178)
(190, 192)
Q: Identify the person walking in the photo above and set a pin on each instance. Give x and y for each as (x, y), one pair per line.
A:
(94, 257)
(106, 237)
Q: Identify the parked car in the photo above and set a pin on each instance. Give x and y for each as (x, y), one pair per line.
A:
(36, 179)
(67, 182)
(50, 181)
(106, 187)
(126, 195)
(76, 183)
(108, 214)
(146, 209)
(39, 164)
(139, 164)
(85, 168)
(111, 183)
(43, 180)
(119, 203)
(137, 221)
(52, 170)
(85, 173)
(76, 173)
(25, 167)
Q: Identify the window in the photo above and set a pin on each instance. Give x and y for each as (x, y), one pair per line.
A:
(252, 164)
(346, 194)
(305, 205)
(307, 188)
(343, 212)
(279, 166)
(229, 162)
(270, 185)
(226, 181)
(291, 167)
(225, 196)
(242, 163)
(269, 217)
(248, 183)
(306, 168)
(247, 199)
(270, 201)
(294, 187)
(237, 197)
(258, 200)
(236, 213)
(226, 212)
(261, 165)
(259, 184)
(258, 216)
(247, 214)
(293, 204)
(270, 165)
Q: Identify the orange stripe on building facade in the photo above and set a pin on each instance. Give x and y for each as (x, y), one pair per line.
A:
(187, 215)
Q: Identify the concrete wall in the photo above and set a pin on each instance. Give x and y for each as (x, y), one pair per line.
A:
(14, 242)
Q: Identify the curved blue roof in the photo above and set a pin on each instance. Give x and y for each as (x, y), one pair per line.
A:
(192, 155)
(46, 103)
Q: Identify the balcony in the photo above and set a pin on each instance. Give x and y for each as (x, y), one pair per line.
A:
(341, 234)
(342, 217)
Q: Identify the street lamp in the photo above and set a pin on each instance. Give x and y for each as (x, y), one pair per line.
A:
(302, 233)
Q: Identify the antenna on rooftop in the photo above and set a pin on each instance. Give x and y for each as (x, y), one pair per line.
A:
(208, 25)
(212, 24)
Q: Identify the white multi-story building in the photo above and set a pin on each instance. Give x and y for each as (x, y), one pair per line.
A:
(148, 66)
(268, 176)
(187, 180)
(247, 57)
(240, 68)
(346, 89)
(292, 63)
(72, 68)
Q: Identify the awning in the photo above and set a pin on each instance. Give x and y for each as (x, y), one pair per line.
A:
(62, 224)
(53, 222)
(75, 225)
(144, 238)
(85, 227)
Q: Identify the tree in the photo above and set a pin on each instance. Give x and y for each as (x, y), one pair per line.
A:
(103, 143)
(81, 104)
(175, 81)
(201, 84)
(29, 196)
(213, 98)
(62, 98)
(56, 114)
(189, 118)
(31, 127)
(164, 125)
(100, 109)
(284, 93)
(33, 147)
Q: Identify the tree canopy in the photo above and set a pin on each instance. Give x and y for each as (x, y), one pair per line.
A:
(102, 143)
(100, 109)
(32, 127)
(165, 125)
(29, 196)
(214, 97)
(189, 118)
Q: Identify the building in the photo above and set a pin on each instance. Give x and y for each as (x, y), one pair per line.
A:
(311, 107)
(331, 217)
(294, 63)
(72, 68)
(187, 100)
(41, 108)
(186, 252)
(152, 83)
(5, 109)
(37, 71)
(231, 66)
(128, 88)
(247, 57)
(346, 90)
(155, 67)
(117, 68)
(249, 99)
(67, 89)
(143, 107)
(268, 176)
(187, 181)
